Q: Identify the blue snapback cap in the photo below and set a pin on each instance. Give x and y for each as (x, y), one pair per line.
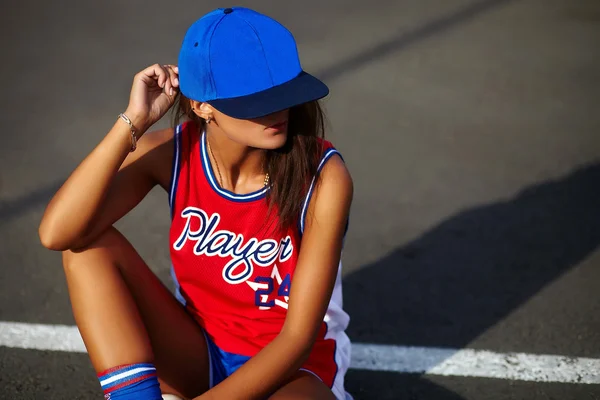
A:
(244, 64)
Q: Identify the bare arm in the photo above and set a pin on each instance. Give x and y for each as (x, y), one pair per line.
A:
(310, 293)
(111, 181)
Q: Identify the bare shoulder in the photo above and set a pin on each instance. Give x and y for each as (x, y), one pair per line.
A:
(156, 139)
(154, 154)
(334, 192)
(336, 179)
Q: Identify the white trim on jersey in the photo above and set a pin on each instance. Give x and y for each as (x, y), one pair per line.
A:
(328, 154)
(172, 192)
(175, 171)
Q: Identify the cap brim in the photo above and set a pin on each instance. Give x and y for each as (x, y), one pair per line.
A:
(301, 89)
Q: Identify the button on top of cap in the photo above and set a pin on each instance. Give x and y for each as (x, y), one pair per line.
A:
(228, 11)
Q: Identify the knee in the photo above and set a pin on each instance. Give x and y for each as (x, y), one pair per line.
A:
(71, 258)
(104, 243)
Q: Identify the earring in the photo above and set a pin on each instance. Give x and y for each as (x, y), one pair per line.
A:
(208, 119)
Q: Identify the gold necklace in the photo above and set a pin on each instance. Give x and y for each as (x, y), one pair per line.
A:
(265, 182)
(216, 163)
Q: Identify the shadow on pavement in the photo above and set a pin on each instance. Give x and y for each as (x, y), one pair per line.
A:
(408, 38)
(449, 286)
(10, 209)
(391, 386)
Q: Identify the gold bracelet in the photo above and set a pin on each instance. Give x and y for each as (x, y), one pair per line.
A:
(132, 129)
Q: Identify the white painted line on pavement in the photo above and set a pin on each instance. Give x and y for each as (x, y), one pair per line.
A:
(475, 363)
(41, 337)
(375, 357)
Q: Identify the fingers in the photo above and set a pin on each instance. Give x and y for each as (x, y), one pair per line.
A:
(165, 76)
(172, 80)
(175, 75)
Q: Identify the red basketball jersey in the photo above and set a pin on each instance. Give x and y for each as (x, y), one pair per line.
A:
(233, 271)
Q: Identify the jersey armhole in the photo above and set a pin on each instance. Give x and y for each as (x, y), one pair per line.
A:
(175, 168)
(326, 157)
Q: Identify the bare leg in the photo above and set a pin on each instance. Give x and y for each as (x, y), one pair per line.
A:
(126, 315)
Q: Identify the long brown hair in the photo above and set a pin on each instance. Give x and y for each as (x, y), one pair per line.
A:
(291, 167)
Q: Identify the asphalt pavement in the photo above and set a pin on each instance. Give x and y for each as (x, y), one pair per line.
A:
(471, 129)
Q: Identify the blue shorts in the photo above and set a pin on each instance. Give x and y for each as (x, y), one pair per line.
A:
(221, 364)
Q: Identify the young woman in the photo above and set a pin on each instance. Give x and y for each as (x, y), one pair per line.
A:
(259, 205)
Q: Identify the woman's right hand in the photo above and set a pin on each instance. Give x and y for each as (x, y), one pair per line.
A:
(152, 94)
